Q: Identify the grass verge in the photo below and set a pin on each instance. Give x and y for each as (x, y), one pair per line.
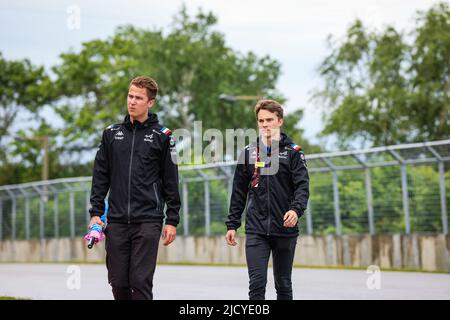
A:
(204, 264)
(12, 298)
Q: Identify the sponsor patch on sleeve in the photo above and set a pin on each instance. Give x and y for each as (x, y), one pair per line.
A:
(113, 127)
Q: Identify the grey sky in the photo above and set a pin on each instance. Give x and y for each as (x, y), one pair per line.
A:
(293, 32)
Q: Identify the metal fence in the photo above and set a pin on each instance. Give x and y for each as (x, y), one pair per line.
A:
(394, 189)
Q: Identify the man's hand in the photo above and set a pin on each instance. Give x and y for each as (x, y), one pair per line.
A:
(290, 219)
(231, 237)
(169, 234)
(95, 220)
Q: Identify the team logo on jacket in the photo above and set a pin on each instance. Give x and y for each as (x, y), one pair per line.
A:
(119, 135)
(157, 132)
(148, 137)
(283, 155)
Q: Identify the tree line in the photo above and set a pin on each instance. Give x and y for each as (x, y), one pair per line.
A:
(379, 87)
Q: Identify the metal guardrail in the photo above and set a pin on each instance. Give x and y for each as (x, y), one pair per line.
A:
(34, 203)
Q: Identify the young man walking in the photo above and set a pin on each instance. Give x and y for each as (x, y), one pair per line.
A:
(271, 177)
(134, 163)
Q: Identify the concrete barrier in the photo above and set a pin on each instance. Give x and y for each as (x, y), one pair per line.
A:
(428, 252)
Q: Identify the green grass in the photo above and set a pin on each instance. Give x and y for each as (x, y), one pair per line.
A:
(12, 298)
(204, 264)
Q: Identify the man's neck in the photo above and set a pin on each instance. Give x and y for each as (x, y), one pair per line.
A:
(268, 140)
(140, 119)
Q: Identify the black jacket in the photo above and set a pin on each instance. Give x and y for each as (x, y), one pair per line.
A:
(274, 195)
(134, 163)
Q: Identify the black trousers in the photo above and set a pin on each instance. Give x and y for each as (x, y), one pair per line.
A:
(131, 252)
(257, 251)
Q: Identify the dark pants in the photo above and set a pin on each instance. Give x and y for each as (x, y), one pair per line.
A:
(131, 251)
(257, 251)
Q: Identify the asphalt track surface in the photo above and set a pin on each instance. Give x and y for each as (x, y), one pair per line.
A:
(89, 282)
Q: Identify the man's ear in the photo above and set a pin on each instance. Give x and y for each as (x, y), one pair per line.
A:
(281, 121)
(151, 102)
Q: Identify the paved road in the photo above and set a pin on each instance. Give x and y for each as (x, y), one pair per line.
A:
(59, 281)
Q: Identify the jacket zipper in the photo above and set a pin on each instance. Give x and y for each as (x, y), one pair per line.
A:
(268, 206)
(268, 197)
(129, 174)
(156, 195)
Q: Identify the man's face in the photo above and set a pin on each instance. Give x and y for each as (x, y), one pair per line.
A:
(268, 123)
(138, 102)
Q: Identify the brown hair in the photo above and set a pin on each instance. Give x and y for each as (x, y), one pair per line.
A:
(269, 105)
(147, 83)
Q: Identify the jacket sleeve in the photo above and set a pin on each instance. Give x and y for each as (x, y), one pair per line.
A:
(239, 194)
(100, 179)
(300, 178)
(170, 183)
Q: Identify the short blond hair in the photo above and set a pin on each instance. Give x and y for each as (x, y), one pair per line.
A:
(147, 83)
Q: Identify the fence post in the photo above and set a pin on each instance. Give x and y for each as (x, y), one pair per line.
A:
(309, 224)
(230, 190)
(337, 212)
(27, 218)
(207, 209)
(405, 198)
(441, 167)
(72, 214)
(368, 179)
(42, 225)
(185, 209)
(1, 219)
(56, 215)
(88, 206)
(13, 218)
(13, 223)
(12, 196)
(443, 198)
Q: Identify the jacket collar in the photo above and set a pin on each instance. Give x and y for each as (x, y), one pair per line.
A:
(151, 120)
(284, 141)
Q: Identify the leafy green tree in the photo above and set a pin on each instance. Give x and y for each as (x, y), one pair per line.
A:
(24, 90)
(380, 88)
(192, 65)
(191, 62)
(23, 87)
(430, 70)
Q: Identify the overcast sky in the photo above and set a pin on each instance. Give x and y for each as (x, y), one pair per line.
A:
(292, 32)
